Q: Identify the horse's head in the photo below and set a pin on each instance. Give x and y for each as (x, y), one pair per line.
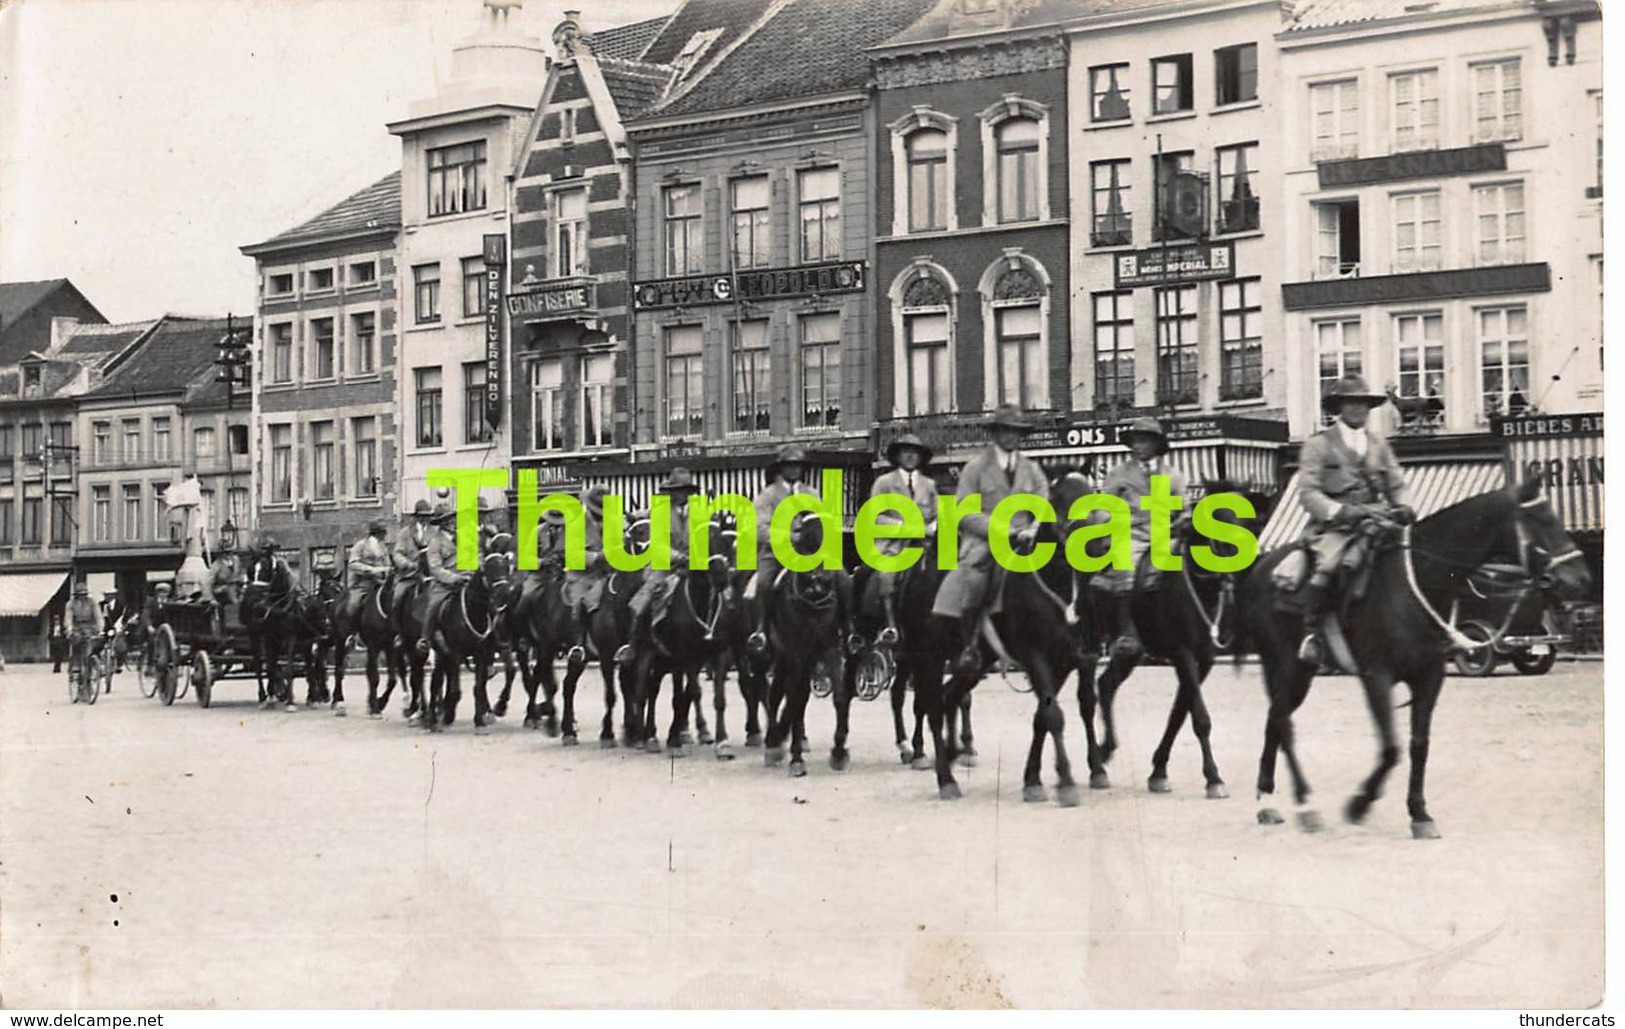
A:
(494, 580)
(724, 537)
(1541, 544)
(1063, 493)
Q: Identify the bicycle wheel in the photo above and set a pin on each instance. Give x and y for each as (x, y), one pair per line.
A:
(101, 669)
(163, 664)
(144, 679)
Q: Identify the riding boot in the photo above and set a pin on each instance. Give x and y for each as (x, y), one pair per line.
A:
(889, 635)
(757, 644)
(969, 661)
(430, 615)
(583, 631)
(1311, 651)
(1127, 644)
(639, 638)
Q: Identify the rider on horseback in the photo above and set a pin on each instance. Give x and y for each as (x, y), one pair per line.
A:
(584, 587)
(444, 575)
(1347, 474)
(411, 555)
(368, 566)
(269, 572)
(908, 455)
(660, 584)
(784, 475)
(1131, 480)
(997, 472)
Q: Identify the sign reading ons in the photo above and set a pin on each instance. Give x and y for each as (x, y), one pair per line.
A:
(773, 284)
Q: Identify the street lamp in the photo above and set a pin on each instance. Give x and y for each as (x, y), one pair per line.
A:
(228, 535)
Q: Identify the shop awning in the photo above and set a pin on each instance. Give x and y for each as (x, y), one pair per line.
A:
(1570, 471)
(1431, 488)
(635, 487)
(1247, 466)
(25, 594)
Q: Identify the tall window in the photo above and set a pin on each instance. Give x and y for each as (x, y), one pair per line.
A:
(1018, 172)
(1337, 239)
(928, 199)
(34, 441)
(101, 513)
(750, 234)
(1419, 354)
(132, 441)
(457, 179)
(8, 521)
(426, 293)
(1238, 200)
(1340, 347)
(101, 443)
(282, 353)
(1241, 342)
(1498, 101)
(476, 429)
(597, 400)
(1336, 109)
(1021, 369)
(1415, 99)
(161, 527)
(428, 385)
(1503, 346)
(820, 196)
(321, 334)
(753, 382)
(570, 233)
(321, 445)
(132, 513)
(1501, 232)
(685, 381)
(281, 464)
(1108, 87)
(1235, 72)
(363, 343)
(33, 531)
(473, 287)
(684, 236)
(237, 439)
(1177, 345)
(567, 125)
(821, 370)
(1171, 84)
(237, 500)
(928, 373)
(547, 405)
(61, 521)
(1113, 214)
(364, 441)
(161, 438)
(1114, 347)
(62, 461)
(1416, 232)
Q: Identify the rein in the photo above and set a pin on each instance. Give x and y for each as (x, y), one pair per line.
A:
(462, 608)
(1449, 629)
(716, 608)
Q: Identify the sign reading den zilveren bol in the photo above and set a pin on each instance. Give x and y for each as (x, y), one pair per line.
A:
(770, 284)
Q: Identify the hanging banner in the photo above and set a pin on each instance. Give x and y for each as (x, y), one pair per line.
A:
(496, 254)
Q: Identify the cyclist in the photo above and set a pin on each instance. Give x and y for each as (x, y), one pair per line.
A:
(84, 632)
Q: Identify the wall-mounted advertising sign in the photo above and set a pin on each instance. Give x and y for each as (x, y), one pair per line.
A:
(1419, 164)
(755, 285)
(552, 300)
(1183, 262)
(496, 258)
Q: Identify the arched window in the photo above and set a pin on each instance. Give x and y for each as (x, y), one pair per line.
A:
(923, 353)
(927, 180)
(1018, 170)
(1015, 293)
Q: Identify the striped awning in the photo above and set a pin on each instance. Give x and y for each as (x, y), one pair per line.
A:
(637, 487)
(25, 594)
(1248, 466)
(1570, 472)
(1430, 488)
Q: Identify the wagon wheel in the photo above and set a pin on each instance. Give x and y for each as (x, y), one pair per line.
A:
(1479, 661)
(1534, 664)
(203, 677)
(163, 663)
(877, 668)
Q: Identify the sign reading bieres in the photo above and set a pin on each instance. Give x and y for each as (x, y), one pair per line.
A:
(1187, 262)
(772, 284)
(496, 257)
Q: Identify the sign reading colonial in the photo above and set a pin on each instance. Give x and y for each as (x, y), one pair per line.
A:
(773, 284)
(1419, 164)
(1185, 262)
(548, 301)
(496, 256)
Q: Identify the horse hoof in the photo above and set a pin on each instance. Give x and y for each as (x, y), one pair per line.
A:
(1356, 809)
(1099, 781)
(1310, 821)
(949, 791)
(1269, 816)
(678, 750)
(1216, 791)
(376, 716)
(339, 711)
(606, 744)
(1427, 830)
(500, 709)
(551, 727)
(725, 751)
(482, 729)
(773, 756)
(651, 746)
(753, 739)
(571, 741)
(1034, 794)
(1067, 795)
(967, 760)
(904, 754)
(839, 762)
(798, 769)
(921, 763)
(706, 739)
(1158, 784)
(687, 738)
(531, 723)
(290, 706)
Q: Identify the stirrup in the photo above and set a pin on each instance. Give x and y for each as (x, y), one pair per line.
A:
(888, 636)
(1311, 651)
(757, 643)
(623, 656)
(1128, 646)
(576, 653)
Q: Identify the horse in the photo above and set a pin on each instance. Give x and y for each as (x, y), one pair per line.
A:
(376, 632)
(1040, 623)
(465, 629)
(1184, 617)
(1396, 630)
(541, 626)
(269, 616)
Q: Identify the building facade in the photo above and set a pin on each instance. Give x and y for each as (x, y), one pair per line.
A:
(326, 383)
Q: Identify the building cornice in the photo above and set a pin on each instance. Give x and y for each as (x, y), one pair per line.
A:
(666, 128)
(382, 235)
(489, 111)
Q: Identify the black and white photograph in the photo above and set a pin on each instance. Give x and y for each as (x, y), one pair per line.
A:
(739, 505)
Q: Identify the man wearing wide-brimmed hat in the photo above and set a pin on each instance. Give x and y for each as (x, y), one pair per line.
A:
(366, 566)
(584, 587)
(410, 553)
(784, 477)
(1147, 444)
(444, 575)
(659, 584)
(1346, 474)
(999, 471)
(908, 455)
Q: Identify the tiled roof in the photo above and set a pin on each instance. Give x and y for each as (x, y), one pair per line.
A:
(18, 298)
(178, 354)
(731, 17)
(633, 85)
(87, 342)
(1322, 14)
(626, 42)
(944, 21)
(808, 48)
(376, 207)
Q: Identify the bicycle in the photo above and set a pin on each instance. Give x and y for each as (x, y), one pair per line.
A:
(87, 674)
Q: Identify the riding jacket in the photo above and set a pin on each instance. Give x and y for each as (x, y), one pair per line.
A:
(411, 547)
(995, 475)
(916, 486)
(84, 617)
(1331, 474)
(443, 561)
(368, 562)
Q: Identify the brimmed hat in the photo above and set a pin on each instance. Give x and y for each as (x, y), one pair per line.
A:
(163, 587)
(81, 589)
(593, 498)
(268, 543)
(486, 506)
(908, 439)
(443, 512)
(1009, 416)
(1146, 427)
(377, 527)
(790, 453)
(680, 480)
(421, 509)
(1352, 387)
(552, 516)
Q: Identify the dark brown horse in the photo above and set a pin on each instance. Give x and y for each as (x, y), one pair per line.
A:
(465, 630)
(373, 628)
(1398, 629)
(539, 628)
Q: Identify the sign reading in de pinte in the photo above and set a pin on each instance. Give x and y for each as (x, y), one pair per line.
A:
(496, 257)
(1418, 164)
(1184, 262)
(772, 284)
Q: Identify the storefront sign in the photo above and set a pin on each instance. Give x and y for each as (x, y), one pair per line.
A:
(496, 257)
(1525, 426)
(1199, 427)
(1384, 289)
(1186, 262)
(773, 284)
(547, 301)
(1420, 164)
(1564, 454)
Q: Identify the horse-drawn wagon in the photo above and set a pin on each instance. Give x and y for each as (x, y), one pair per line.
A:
(196, 643)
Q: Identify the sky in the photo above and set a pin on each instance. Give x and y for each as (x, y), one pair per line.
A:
(142, 142)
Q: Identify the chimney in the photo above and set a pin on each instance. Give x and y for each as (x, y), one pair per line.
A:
(61, 329)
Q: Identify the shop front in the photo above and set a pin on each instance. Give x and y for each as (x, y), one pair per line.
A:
(1564, 453)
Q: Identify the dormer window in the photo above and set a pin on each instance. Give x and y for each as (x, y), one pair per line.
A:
(457, 179)
(31, 380)
(695, 49)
